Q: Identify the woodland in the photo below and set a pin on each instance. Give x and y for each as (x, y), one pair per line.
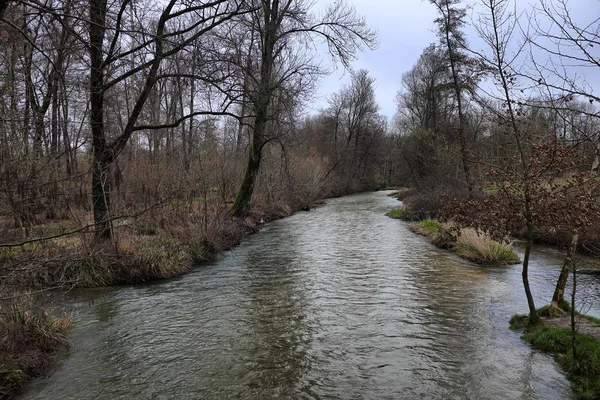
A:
(138, 138)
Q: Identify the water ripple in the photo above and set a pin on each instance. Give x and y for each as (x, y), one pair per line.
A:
(338, 303)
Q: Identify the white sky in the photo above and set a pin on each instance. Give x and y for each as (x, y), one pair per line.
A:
(405, 28)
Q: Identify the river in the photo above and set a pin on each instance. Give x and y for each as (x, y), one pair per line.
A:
(340, 302)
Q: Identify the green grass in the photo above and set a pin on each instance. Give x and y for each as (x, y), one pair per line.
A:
(400, 213)
(431, 226)
(491, 189)
(437, 233)
(518, 321)
(583, 371)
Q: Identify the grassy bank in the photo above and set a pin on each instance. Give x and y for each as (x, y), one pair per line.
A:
(144, 249)
(29, 342)
(553, 335)
(467, 243)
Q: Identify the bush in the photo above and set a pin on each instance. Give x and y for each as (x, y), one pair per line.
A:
(29, 340)
(481, 249)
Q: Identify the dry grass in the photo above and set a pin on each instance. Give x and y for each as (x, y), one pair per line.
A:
(29, 341)
(481, 249)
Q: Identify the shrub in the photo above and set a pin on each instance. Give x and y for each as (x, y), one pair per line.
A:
(29, 340)
(481, 249)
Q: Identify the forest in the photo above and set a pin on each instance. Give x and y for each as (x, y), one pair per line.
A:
(140, 138)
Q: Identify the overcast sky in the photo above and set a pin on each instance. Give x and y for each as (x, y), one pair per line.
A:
(405, 28)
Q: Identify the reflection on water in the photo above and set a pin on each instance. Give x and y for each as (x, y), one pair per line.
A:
(338, 303)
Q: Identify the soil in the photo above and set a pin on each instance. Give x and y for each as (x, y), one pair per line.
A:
(584, 326)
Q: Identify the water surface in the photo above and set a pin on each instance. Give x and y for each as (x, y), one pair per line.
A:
(337, 303)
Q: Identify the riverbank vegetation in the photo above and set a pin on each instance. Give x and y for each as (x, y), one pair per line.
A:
(576, 348)
(139, 139)
(30, 340)
(491, 139)
(467, 243)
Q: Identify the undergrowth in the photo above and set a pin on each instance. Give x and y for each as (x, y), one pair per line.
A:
(29, 342)
(472, 245)
(400, 213)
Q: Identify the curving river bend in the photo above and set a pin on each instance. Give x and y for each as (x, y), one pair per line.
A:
(341, 302)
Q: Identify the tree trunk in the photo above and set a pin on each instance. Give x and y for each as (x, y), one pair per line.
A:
(533, 317)
(100, 186)
(101, 200)
(573, 322)
(241, 206)
(561, 283)
(3, 6)
(596, 162)
(462, 122)
(261, 102)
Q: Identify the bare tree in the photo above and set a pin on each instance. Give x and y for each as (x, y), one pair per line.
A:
(283, 27)
(496, 27)
(170, 33)
(564, 51)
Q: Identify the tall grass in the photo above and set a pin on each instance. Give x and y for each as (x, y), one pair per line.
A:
(29, 340)
(481, 249)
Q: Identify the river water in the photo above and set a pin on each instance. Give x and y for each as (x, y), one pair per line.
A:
(340, 302)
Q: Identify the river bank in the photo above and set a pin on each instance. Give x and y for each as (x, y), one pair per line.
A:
(574, 342)
(338, 300)
(142, 250)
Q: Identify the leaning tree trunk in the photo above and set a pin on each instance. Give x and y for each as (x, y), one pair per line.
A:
(241, 206)
(561, 283)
